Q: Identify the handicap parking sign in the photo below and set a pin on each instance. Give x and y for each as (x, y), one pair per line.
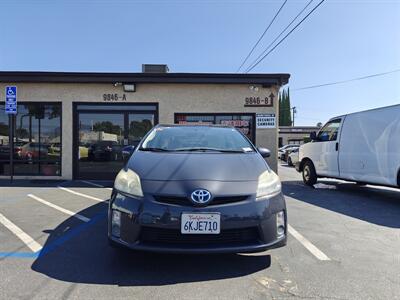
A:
(11, 100)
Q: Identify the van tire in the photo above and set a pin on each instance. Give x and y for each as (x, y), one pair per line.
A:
(398, 178)
(309, 174)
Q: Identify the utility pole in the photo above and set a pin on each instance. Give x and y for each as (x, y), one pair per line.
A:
(294, 111)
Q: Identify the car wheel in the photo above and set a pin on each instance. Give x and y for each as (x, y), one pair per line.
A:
(309, 174)
(115, 245)
(289, 162)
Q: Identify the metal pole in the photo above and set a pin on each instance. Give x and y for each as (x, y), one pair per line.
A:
(11, 143)
(293, 112)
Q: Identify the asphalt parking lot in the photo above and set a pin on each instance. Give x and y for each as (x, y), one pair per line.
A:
(344, 243)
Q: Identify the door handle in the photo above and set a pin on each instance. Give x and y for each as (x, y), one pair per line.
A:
(337, 146)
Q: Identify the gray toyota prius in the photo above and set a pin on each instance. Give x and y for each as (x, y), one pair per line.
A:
(197, 189)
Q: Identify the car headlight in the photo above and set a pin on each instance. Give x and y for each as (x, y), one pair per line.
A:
(268, 184)
(128, 182)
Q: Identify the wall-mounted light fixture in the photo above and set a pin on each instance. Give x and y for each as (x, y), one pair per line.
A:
(129, 87)
(253, 88)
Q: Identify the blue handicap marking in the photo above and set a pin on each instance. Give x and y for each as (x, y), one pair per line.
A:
(59, 241)
(11, 91)
(11, 100)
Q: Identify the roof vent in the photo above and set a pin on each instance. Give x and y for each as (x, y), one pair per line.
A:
(150, 68)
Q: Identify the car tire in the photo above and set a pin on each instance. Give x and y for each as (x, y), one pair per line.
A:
(289, 162)
(309, 174)
(115, 245)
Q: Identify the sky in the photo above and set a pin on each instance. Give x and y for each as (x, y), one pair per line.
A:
(341, 40)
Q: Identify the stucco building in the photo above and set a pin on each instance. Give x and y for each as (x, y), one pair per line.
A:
(295, 135)
(75, 125)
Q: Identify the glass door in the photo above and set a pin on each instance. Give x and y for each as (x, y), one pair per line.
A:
(100, 142)
(139, 125)
(105, 134)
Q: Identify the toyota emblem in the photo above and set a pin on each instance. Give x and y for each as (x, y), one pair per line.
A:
(200, 196)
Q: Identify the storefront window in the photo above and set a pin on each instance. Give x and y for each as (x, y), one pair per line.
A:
(106, 135)
(37, 140)
(243, 122)
(139, 125)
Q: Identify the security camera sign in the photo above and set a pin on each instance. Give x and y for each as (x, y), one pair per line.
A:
(266, 121)
(11, 100)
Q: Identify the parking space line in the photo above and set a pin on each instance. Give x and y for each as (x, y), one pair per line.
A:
(80, 194)
(307, 244)
(66, 211)
(28, 241)
(95, 184)
(92, 183)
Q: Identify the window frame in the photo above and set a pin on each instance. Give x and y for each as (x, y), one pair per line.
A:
(124, 108)
(39, 160)
(339, 121)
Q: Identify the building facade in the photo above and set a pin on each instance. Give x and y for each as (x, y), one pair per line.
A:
(75, 125)
(295, 135)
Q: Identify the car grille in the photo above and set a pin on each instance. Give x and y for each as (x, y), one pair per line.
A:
(226, 237)
(178, 200)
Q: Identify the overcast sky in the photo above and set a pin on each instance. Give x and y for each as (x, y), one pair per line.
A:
(340, 40)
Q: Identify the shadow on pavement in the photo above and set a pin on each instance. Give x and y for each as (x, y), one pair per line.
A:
(368, 203)
(79, 253)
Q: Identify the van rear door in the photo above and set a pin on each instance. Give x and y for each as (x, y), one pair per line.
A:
(326, 149)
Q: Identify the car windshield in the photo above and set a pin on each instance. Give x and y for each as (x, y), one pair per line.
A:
(196, 138)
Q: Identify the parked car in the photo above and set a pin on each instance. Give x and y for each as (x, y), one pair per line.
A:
(34, 150)
(281, 150)
(287, 151)
(293, 157)
(83, 152)
(55, 149)
(197, 189)
(5, 151)
(105, 151)
(363, 147)
(127, 151)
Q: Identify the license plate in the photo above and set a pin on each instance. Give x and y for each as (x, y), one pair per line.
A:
(200, 223)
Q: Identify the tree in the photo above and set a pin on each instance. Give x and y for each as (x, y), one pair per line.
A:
(289, 106)
(285, 118)
(108, 127)
(282, 109)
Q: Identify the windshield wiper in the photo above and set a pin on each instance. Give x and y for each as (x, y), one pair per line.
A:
(153, 149)
(210, 149)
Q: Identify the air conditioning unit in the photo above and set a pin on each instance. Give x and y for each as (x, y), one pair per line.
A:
(151, 68)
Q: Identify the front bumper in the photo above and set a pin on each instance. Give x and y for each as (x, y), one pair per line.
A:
(246, 226)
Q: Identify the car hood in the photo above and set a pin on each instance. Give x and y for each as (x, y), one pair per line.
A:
(197, 166)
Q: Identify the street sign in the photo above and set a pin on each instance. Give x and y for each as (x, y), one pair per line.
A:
(265, 121)
(11, 100)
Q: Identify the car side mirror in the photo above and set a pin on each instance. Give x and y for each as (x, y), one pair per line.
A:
(127, 151)
(264, 152)
(313, 136)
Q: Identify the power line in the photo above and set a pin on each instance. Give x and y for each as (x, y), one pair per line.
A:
(260, 38)
(345, 81)
(280, 34)
(293, 29)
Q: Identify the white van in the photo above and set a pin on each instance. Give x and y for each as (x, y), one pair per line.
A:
(363, 147)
